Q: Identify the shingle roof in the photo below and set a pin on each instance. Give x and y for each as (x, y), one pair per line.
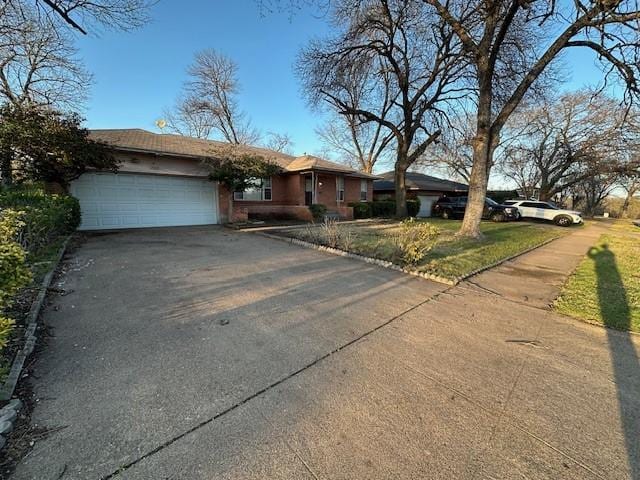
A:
(310, 162)
(419, 181)
(139, 140)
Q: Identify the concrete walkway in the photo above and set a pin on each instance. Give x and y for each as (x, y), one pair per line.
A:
(535, 278)
(201, 354)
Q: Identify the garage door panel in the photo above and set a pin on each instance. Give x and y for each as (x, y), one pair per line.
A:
(131, 201)
(426, 204)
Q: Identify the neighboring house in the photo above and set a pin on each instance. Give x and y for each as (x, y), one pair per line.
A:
(162, 182)
(426, 188)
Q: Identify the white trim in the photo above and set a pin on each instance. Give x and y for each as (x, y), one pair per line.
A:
(340, 179)
(364, 182)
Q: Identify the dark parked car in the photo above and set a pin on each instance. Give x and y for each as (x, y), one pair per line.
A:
(452, 207)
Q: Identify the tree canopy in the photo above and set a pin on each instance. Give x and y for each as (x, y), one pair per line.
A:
(40, 144)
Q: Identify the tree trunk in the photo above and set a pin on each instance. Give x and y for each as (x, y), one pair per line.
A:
(627, 203)
(230, 219)
(401, 190)
(482, 158)
(483, 145)
(544, 195)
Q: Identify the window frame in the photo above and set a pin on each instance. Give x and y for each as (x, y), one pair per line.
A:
(339, 191)
(364, 183)
(266, 190)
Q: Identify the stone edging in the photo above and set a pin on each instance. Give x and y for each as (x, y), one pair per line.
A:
(9, 385)
(392, 266)
(362, 258)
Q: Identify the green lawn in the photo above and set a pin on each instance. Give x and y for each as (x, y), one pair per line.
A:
(450, 257)
(605, 288)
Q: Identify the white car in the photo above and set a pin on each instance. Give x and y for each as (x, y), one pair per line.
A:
(545, 211)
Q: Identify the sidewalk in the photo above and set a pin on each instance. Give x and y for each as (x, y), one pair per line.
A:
(535, 278)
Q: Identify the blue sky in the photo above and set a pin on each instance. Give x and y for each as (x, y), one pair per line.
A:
(138, 74)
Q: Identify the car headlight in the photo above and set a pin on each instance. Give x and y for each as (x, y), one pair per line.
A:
(510, 210)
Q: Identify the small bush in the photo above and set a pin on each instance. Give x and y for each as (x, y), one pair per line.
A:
(318, 211)
(45, 216)
(14, 273)
(387, 208)
(384, 208)
(6, 327)
(330, 232)
(413, 207)
(414, 241)
(361, 209)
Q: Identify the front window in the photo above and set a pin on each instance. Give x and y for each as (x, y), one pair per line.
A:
(340, 189)
(259, 191)
(363, 190)
(491, 202)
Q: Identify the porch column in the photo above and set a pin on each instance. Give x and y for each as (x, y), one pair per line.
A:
(314, 194)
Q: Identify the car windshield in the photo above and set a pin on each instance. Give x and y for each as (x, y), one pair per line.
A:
(509, 202)
(551, 207)
(491, 202)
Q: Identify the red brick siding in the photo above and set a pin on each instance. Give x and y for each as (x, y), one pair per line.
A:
(285, 190)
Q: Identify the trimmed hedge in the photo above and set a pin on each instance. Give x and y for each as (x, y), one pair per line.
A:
(45, 216)
(383, 208)
(318, 211)
(413, 207)
(29, 221)
(361, 209)
(14, 272)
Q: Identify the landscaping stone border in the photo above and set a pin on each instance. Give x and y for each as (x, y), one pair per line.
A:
(9, 385)
(393, 266)
(362, 258)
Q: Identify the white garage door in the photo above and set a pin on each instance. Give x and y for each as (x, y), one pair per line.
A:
(113, 201)
(426, 204)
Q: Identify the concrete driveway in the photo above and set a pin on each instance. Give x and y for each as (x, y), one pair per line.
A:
(201, 353)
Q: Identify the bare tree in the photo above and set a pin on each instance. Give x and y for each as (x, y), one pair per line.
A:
(564, 142)
(629, 179)
(453, 151)
(39, 65)
(359, 145)
(631, 186)
(511, 43)
(401, 58)
(209, 104)
(188, 118)
(594, 189)
(279, 142)
(80, 14)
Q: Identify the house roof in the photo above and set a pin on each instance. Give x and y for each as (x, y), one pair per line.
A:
(139, 140)
(419, 181)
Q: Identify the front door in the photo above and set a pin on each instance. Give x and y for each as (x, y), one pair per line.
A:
(308, 190)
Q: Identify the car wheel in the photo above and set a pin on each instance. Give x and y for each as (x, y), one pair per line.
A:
(518, 217)
(563, 220)
(446, 214)
(497, 217)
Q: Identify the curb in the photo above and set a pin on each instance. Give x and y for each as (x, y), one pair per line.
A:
(507, 259)
(386, 264)
(9, 385)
